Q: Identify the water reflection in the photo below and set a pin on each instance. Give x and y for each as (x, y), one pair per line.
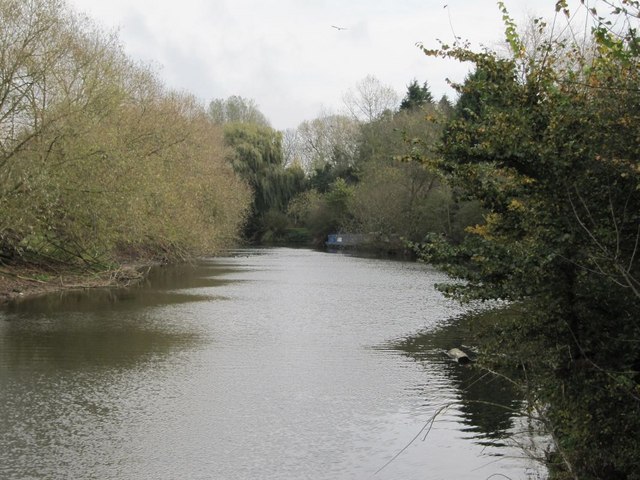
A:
(105, 327)
(79, 344)
(84, 301)
(162, 286)
(199, 275)
(258, 365)
(486, 402)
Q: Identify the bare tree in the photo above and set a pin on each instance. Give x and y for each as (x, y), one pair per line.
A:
(328, 139)
(370, 99)
(291, 147)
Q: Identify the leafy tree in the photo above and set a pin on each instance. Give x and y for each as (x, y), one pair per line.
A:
(257, 157)
(97, 158)
(236, 109)
(548, 145)
(323, 213)
(330, 212)
(395, 196)
(417, 96)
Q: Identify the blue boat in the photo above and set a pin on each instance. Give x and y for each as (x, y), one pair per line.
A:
(345, 239)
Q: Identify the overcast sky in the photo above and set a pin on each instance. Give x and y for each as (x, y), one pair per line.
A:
(285, 54)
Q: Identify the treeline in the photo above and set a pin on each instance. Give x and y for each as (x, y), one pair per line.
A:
(97, 158)
(350, 172)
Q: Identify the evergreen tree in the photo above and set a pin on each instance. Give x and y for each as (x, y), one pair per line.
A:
(445, 107)
(417, 96)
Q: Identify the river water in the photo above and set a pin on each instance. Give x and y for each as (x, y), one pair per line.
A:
(265, 364)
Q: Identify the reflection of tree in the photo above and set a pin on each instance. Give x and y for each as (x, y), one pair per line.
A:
(85, 345)
(161, 286)
(76, 329)
(487, 402)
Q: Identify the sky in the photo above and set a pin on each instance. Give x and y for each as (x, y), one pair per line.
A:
(287, 56)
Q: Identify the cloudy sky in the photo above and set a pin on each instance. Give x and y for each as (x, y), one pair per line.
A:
(285, 54)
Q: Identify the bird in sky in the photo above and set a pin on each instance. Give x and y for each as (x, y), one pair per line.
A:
(338, 28)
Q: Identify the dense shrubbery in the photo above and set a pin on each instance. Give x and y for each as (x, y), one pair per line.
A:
(362, 174)
(97, 158)
(548, 141)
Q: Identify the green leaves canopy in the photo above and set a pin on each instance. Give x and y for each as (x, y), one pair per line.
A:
(548, 142)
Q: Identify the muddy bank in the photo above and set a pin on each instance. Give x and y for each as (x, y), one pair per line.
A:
(26, 280)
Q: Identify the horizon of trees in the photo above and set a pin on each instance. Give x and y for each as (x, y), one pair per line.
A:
(343, 163)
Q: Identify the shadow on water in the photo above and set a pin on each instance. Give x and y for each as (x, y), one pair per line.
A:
(486, 402)
(106, 327)
(162, 286)
(204, 274)
(84, 346)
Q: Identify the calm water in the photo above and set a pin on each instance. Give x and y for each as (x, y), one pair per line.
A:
(269, 364)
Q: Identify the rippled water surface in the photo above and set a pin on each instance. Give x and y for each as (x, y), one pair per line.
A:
(267, 364)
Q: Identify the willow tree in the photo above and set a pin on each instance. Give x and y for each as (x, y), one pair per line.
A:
(256, 155)
(97, 157)
(548, 142)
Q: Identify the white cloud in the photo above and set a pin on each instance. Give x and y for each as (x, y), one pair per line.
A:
(285, 54)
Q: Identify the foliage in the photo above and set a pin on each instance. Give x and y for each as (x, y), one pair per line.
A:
(548, 144)
(389, 197)
(236, 109)
(404, 198)
(323, 213)
(417, 96)
(96, 156)
(257, 158)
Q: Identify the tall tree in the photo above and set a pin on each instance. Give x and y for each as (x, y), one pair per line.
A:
(236, 109)
(370, 99)
(417, 96)
(257, 157)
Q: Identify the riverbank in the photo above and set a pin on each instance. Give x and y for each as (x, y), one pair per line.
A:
(22, 281)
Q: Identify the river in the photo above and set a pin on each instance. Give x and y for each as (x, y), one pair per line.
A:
(264, 364)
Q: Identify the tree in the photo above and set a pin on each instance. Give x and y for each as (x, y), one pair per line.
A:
(328, 140)
(549, 147)
(94, 150)
(236, 109)
(445, 107)
(417, 96)
(370, 99)
(257, 157)
(291, 147)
